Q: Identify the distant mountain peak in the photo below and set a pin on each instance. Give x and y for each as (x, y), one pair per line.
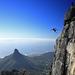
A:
(16, 52)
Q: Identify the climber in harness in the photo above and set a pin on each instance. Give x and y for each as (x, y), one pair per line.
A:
(54, 29)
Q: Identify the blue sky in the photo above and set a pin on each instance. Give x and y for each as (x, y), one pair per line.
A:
(30, 19)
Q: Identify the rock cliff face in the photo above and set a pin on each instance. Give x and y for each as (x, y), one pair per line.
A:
(64, 60)
(15, 72)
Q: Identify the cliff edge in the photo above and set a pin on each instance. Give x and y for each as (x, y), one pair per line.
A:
(64, 59)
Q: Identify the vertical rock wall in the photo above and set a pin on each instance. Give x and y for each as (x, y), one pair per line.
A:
(64, 60)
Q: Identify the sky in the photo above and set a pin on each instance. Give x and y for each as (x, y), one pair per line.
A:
(30, 19)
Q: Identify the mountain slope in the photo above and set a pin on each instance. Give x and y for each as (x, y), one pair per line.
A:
(44, 61)
(35, 65)
(17, 61)
(45, 58)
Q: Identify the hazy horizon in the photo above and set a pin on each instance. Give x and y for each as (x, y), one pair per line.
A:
(26, 46)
